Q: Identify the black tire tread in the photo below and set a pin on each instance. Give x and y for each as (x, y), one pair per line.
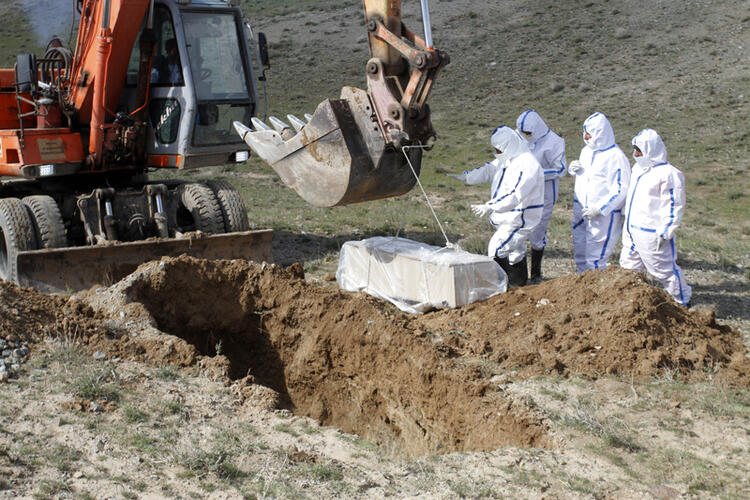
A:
(232, 206)
(18, 232)
(47, 221)
(201, 202)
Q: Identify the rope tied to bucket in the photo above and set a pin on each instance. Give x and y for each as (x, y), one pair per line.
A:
(448, 244)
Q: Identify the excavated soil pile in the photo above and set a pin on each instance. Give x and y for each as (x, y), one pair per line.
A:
(609, 322)
(346, 360)
(30, 316)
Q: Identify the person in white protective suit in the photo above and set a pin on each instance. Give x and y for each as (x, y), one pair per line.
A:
(602, 175)
(549, 150)
(653, 211)
(516, 200)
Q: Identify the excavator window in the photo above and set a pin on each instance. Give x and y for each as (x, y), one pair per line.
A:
(165, 119)
(215, 58)
(166, 66)
(219, 74)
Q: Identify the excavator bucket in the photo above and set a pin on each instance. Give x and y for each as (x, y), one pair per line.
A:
(368, 144)
(338, 157)
(79, 268)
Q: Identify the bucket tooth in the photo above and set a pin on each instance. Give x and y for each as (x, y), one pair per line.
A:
(281, 127)
(242, 129)
(308, 117)
(259, 124)
(338, 157)
(263, 139)
(278, 124)
(296, 122)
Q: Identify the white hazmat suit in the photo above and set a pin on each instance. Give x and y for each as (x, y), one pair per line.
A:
(653, 211)
(549, 150)
(516, 195)
(602, 177)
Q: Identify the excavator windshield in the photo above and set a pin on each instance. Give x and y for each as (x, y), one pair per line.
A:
(219, 75)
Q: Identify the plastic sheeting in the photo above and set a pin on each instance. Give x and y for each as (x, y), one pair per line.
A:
(417, 277)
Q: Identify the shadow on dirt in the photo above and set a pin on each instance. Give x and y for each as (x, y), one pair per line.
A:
(209, 312)
(731, 299)
(702, 265)
(730, 296)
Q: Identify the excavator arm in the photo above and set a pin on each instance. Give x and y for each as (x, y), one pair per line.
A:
(106, 35)
(358, 147)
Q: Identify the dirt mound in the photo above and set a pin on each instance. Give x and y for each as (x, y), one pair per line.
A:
(345, 360)
(27, 315)
(610, 322)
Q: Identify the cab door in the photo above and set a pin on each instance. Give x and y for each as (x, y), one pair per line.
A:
(171, 110)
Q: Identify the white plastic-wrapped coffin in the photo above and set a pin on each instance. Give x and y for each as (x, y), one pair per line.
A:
(417, 277)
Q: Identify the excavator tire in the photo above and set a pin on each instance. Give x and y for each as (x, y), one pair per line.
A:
(232, 207)
(16, 235)
(199, 203)
(48, 223)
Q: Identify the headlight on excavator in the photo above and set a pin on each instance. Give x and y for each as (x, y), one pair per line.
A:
(241, 156)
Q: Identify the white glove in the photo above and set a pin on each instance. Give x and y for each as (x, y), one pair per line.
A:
(459, 177)
(481, 210)
(591, 212)
(575, 167)
(659, 242)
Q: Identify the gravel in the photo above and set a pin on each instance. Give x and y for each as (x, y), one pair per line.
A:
(12, 355)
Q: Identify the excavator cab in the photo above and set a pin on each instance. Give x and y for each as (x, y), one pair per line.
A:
(368, 144)
(201, 81)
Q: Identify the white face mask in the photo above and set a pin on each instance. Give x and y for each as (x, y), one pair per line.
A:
(642, 161)
(589, 142)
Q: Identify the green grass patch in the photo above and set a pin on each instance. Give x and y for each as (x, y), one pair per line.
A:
(612, 430)
(286, 429)
(98, 383)
(63, 458)
(322, 472)
(167, 373)
(145, 444)
(49, 488)
(469, 488)
(133, 415)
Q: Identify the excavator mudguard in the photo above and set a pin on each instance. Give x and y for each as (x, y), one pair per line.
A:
(79, 268)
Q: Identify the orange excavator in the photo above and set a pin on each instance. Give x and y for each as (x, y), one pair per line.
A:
(169, 84)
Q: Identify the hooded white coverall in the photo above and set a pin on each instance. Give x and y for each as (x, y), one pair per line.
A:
(602, 185)
(549, 150)
(516, 194)
(653, 211)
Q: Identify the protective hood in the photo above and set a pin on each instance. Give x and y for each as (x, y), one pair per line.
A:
(601, 132)
(508, 142)
(530, 121)
(652, 147)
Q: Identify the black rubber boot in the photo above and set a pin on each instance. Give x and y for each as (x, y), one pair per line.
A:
(504, 263)
(520, 273)
(536, 266)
